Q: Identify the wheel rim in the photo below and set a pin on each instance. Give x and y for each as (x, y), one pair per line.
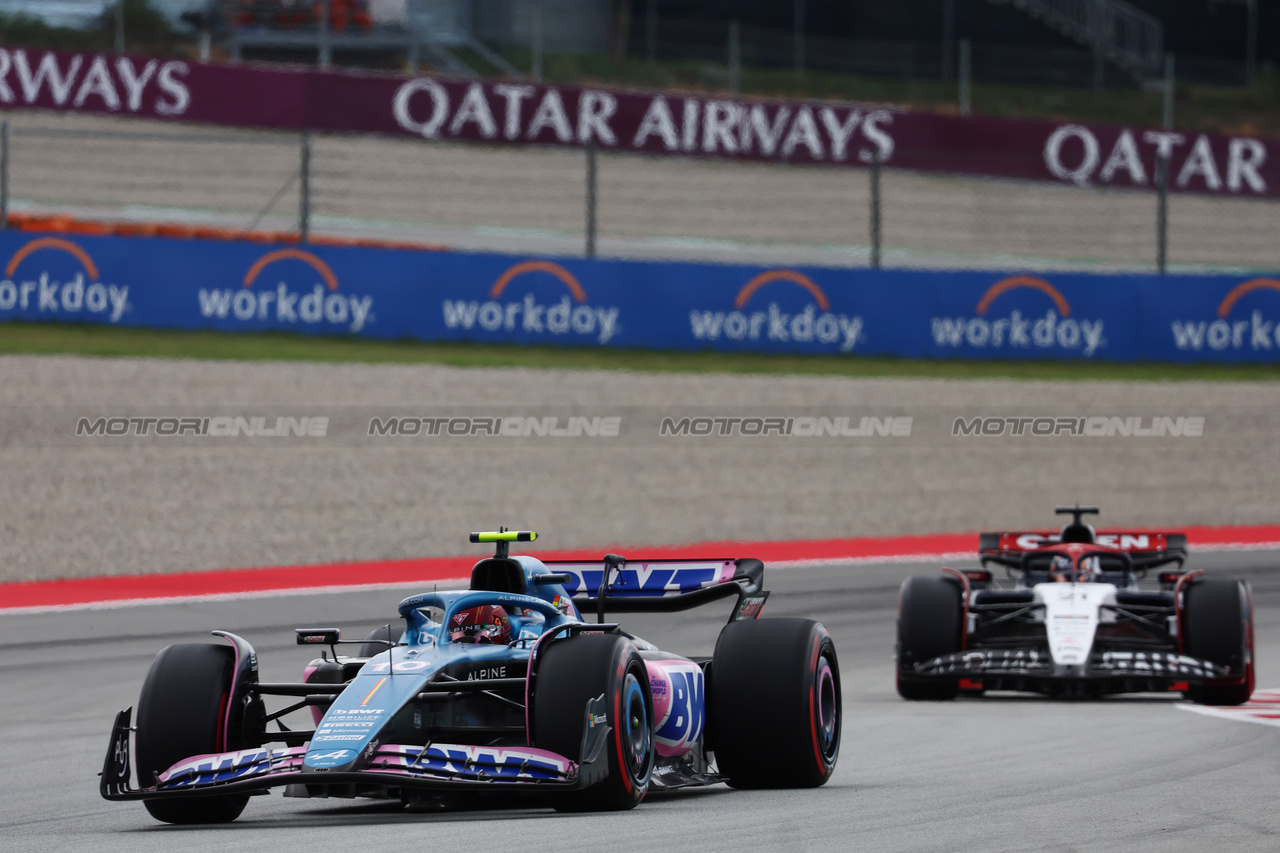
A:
(827, 709)
(637, 739)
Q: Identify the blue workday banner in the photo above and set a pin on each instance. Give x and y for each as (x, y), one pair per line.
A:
(436, 296)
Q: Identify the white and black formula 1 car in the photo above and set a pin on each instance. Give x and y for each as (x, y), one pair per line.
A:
(501, 689)
(1076, 621)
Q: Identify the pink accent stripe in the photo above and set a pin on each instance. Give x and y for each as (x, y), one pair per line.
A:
(235, 583)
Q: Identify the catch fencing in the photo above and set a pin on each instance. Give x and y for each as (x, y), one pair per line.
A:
(595, 202)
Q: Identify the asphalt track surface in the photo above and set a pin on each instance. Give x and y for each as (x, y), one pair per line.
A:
(1004, 772)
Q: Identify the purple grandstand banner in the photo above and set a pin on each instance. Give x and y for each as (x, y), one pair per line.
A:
(516, 113)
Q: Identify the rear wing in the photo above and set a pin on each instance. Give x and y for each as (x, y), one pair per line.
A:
(618, 585)
(1145, 549)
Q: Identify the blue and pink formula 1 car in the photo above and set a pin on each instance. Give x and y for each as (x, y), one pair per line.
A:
(502, 687)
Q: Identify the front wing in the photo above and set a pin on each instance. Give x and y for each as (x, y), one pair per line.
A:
(432, 766)
(1107, 671)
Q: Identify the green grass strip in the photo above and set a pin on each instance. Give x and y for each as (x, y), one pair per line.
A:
(57, 338)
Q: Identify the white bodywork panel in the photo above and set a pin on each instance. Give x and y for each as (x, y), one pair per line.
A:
(1072, 612)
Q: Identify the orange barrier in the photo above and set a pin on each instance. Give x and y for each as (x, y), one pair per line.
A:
(175, 230)
(210, 232)
(46, 223)
(61, 223)
(134, 229)
(97, 229)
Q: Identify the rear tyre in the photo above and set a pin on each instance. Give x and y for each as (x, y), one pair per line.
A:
(181, 713)
(571, 672)
(774, 704)
(1217, 626)
(929, 616)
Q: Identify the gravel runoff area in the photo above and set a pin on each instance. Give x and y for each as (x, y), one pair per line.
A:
(78, 507)
(532, 201)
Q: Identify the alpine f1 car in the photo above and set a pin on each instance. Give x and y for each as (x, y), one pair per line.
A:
(1075, 621)
(502, 687)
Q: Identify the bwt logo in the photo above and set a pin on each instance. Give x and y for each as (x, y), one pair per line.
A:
(488, 762)
(816, 323)
(530, 316)
(289, 306)
(680, 708)
(642, 580)
(217, 768)
(1221, 334)
(1055, 330)
(82, 293)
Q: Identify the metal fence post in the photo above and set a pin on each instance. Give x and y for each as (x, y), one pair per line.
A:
(119, 26)
(875, 211)
(948, 38)
(322, 37)
(735, 58)
(591, 199)
(651, 31)
(798, 36)
(1096, 11)
(1168, 91)
(4, 175)
(966, 77)
(1251, 45)
(535, 48)
(1162, 213)
(304, 200)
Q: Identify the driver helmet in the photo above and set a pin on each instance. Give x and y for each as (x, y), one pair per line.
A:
(1090, 568)
(484, 624)
(1061, 570)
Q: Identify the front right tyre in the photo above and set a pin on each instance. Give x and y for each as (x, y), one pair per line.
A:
(1217, 626)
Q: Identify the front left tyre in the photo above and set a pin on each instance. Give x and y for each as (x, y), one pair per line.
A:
(182, 713)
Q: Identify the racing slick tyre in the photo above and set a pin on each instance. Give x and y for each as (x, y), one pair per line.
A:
(929, 615)
(376, 642)
(774, 704)
(180, 714)
(1217, 626)
(572, 671)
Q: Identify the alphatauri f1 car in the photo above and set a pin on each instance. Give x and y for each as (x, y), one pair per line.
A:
(1075, 621)
(502, 688)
